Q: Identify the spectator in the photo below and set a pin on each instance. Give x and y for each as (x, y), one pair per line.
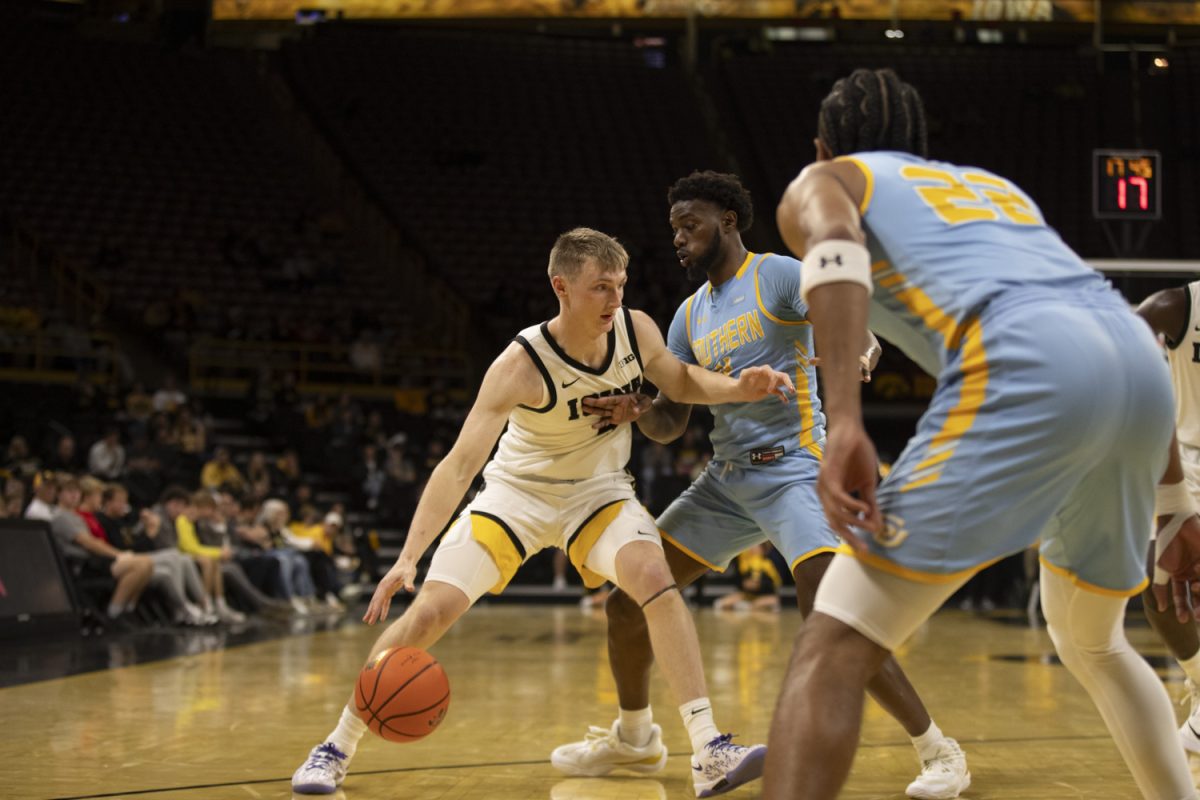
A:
(266, 538)
(64, 458)
(187, 511)
(139, 406)
(169, 398)
(18, 461)
(93, 557)
(45, 494)
(221, 472)
(315, 542)
(258, 476)
(175, 574)
(106, 459)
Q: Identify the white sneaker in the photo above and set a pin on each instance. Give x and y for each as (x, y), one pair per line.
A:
(722, 766)
(322, 772)
(1189, 731)
(299, 606)
(602, 751)
(942, 777)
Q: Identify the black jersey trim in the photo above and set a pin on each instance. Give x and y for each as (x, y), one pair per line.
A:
(537, 362)
(507, 531)
(1187, 318)
(586, 522)
(633, 338)
(612, 346)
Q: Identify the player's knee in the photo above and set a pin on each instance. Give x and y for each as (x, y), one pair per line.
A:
(647, 579)
(622, 612)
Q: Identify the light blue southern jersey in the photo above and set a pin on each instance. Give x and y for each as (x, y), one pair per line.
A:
(944, 241)
(755, 318)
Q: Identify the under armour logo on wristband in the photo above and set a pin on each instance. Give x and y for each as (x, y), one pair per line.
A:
(835, 260)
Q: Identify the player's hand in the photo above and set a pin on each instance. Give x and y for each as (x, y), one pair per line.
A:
(402, 575)
(616, 409)
(1181, 560)
(864, 366)
(756, 383)
(850, 465)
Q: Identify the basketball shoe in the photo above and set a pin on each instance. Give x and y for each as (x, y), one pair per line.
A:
(942, 777)
(602, 751)
(323, 772)
(721, 766)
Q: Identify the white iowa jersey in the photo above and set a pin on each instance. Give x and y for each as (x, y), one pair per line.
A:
(556, 441)
(1183, 354)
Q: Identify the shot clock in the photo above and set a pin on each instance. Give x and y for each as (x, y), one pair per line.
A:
(1126, 184)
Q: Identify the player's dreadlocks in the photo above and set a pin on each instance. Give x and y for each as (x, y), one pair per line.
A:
(721, 189)
(873, 110)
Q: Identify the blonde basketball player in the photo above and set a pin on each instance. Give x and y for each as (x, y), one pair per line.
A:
(558, 481)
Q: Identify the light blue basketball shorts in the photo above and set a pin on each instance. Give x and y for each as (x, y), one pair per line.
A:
(733, 506)
(1051, 421)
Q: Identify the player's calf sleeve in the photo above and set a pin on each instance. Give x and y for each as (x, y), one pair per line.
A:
(1087, 629)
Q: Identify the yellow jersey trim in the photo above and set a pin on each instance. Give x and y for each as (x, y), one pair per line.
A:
(811, 554)
(584, 539)
(804, 403)
(1091, 587)
(870, 177)
(763, 308)
(689, 553)
(917, 576)
(501, 544)
(742, 269)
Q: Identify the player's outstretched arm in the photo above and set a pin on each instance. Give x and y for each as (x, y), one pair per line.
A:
(659, 419)
(688, 383)
(512, 380)
(819, 220)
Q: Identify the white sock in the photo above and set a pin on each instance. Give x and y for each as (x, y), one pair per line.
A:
(347, 733)
(698, 717)
(927, 743)
(1191, 668)
(634, 726)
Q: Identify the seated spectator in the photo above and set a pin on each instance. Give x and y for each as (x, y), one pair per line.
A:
(106, 459)
(185, 513)
(18, 461)
(92, 557)
(14, 499)
(218, 529)
(175, 574)
(64, 459)
(139, 406)
(758, 583)
(315, 540)
(266, 536)
(169, 398)
(258, 476)
(221, 472)
(45, 494)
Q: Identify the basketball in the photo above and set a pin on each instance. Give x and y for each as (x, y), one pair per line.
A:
(402, 695)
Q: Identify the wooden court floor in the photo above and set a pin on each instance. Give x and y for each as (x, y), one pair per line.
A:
(235, 723)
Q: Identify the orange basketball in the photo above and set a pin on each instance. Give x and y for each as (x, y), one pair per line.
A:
(402, 695)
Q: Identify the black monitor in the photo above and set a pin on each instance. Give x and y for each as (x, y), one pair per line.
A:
(35, 586)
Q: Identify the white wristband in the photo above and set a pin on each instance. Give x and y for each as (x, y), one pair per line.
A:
(835, 261)
(1173, 498)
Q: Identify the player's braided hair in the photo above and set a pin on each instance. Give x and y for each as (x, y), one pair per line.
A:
(719, 188)
(873, 110)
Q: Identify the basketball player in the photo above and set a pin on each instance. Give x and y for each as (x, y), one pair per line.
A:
(1050, 419)
(760, 485)
(1174, 315)
(556, 481)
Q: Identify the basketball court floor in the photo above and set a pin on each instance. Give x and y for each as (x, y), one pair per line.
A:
(233, 723)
